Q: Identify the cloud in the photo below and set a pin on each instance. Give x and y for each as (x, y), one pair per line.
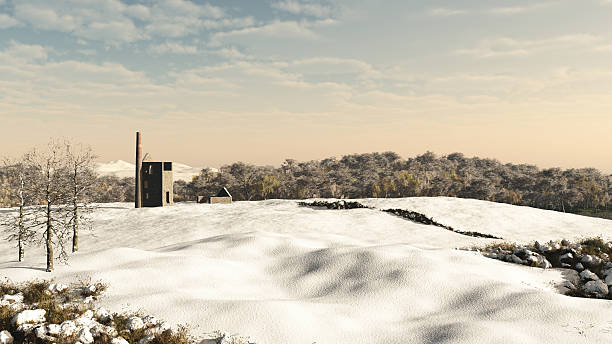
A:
(296, 7)
(170, 29)
(104, 21)
(445, 12)
(231, 53)
(44, 18)
(191, 9)
(114, 22)
(277, 28)
(507, 10)
(501, 47)
(304, 29)
(178, 18)
(228, 23)
(24, 52)
(518, 9)
(496, 48)
(138, 12)
(338, 70)
(174, 48)
(7, 21)
(111, 31)
(87, 52)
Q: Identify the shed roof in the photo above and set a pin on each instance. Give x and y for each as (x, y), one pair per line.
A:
(224, 193)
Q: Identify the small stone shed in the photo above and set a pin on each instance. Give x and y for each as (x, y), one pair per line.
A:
(222, 197)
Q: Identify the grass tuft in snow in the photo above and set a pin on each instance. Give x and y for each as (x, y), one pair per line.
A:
(596, 246)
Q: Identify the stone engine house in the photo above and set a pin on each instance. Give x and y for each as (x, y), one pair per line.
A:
(156, 179)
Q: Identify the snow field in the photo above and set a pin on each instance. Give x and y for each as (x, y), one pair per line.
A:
(287, 274)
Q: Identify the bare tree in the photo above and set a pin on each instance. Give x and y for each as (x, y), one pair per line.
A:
(50, 173)
(21, 226)
(81, 178)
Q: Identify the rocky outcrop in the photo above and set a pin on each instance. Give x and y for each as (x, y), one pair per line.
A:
(519, 255)
(586, 258)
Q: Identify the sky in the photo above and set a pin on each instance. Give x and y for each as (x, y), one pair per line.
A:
(213, 82)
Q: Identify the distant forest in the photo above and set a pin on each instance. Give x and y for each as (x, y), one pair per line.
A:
(585, 190)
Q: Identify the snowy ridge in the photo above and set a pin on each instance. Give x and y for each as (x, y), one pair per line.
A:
(281, 273)
(123, 169)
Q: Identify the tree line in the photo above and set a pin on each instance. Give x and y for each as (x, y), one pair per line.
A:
(388, 175)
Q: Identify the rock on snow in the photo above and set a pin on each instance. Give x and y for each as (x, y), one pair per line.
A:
(595, 288)
(587, 275)
(6, 337)
(134, 323)
(35, 316)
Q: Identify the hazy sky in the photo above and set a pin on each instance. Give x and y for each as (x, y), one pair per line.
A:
(215, 82)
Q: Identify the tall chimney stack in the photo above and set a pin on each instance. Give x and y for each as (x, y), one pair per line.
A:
(138, 186)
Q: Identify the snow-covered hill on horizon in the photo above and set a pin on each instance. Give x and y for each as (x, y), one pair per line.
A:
(285, 274)
(123, 169)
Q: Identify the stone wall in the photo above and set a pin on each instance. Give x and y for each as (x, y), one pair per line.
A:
(220, 200)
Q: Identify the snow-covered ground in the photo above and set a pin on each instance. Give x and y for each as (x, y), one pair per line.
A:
(123, 169)
(287, 274)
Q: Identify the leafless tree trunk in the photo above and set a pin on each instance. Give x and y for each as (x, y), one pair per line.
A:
(21, 226)
(21, 222)
(51, 169)
(75, 217)
(80, 160)
(49, 236)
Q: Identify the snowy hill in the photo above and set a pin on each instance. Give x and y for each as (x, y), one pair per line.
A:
(287, 274)
(124, 169)
(118, 168)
